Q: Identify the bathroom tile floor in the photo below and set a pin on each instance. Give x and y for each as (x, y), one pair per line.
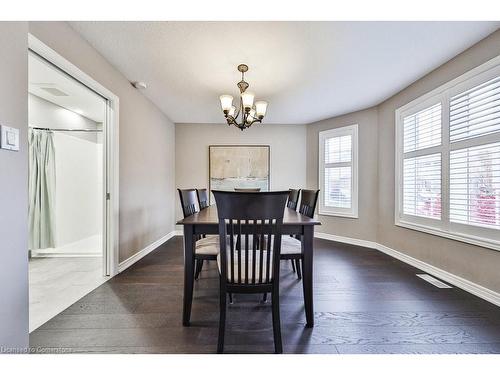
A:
(57, 283)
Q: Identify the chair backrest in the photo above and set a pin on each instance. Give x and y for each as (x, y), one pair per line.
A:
(308, 202)
(293, 198)
(250, 235)
(202, 198)
(249, 190)
(189, 201)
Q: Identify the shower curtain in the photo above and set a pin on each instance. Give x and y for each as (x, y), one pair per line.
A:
(42, 184)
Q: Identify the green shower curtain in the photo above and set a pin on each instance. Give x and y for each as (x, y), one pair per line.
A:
(42, 185)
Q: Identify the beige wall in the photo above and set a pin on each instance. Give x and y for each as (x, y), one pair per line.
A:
(365, 227)
(147, 151)
(288, 152)
(14, 188)
(476, 264)
(376, 179)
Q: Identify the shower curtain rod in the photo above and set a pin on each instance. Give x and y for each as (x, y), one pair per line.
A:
(68, 130)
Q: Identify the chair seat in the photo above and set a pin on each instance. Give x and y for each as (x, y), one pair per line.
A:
(258, 256)
(208, 245)
(290, 246)
(241, 279)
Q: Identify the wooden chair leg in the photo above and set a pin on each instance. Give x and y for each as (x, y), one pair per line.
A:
(293, 265)
(222, 322)
(278, 346)
(264, 298)
(199, 266)
(299, 272)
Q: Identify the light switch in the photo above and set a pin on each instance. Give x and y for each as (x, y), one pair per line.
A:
(9, 138)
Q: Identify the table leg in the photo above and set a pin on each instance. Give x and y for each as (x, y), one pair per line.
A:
(188, 273)
(307, 273)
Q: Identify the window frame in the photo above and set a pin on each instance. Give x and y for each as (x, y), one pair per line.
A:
(351, 130)
(476, 235)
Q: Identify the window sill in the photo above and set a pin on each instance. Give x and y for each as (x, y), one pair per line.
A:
(486, 243)
(339, 214)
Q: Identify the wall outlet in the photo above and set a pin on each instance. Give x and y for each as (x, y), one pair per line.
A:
(9, 138)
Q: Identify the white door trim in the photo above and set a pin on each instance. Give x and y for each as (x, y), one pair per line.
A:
(111, 149)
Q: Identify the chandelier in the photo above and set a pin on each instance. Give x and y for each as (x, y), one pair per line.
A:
(247, 112)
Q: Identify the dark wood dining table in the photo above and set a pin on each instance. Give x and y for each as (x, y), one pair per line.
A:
(206, 222)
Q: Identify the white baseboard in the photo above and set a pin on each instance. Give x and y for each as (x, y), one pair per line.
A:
(349, 240)
(37, 254)
(142, 253)
(467, 285)
(90, 246)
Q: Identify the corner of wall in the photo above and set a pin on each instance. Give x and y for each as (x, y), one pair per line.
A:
(14, 318)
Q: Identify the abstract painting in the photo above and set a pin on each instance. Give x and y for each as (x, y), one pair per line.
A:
(233, 167)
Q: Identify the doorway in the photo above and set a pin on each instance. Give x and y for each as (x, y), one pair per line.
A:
(72, 178)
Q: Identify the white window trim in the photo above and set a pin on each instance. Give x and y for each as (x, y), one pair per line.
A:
(443, 227)
(337, 132)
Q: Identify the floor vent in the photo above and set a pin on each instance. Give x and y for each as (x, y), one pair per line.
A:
(433, 281)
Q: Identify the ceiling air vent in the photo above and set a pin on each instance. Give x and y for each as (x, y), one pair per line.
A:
(54, 91)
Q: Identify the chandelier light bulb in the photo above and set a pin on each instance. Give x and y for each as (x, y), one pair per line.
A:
(247, 100)
(232, 111)
(261, 108)
(226, 102)
(251, 116)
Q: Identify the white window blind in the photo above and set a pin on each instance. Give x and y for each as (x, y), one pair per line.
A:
(338, 171)
(338, 187)
(423, 129)
(475, 186)
(422, 186)
(448, 159)
(421, 164)
(475, 112)
(338, 149)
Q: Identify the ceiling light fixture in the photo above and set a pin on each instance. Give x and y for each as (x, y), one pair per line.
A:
(140, 85)
(250, 112)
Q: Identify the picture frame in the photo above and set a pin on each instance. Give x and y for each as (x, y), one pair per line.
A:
(239, 166)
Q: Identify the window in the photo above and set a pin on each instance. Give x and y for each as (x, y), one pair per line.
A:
(422, 163)
(475, 186)
(338, 171)
(422, 186)
(448, 159)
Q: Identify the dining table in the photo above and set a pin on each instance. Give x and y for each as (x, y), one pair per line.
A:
(206, 222)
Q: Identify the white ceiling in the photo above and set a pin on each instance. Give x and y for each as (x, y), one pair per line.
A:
(307, 71)
(78, 98)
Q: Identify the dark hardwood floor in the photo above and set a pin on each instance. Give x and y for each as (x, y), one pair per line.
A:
(365, 302)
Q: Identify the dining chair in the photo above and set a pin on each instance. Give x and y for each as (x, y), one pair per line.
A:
(245, 267)
(247, 190)
(291, 248)
(206, 247)
(293, 198)
(202, 198)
